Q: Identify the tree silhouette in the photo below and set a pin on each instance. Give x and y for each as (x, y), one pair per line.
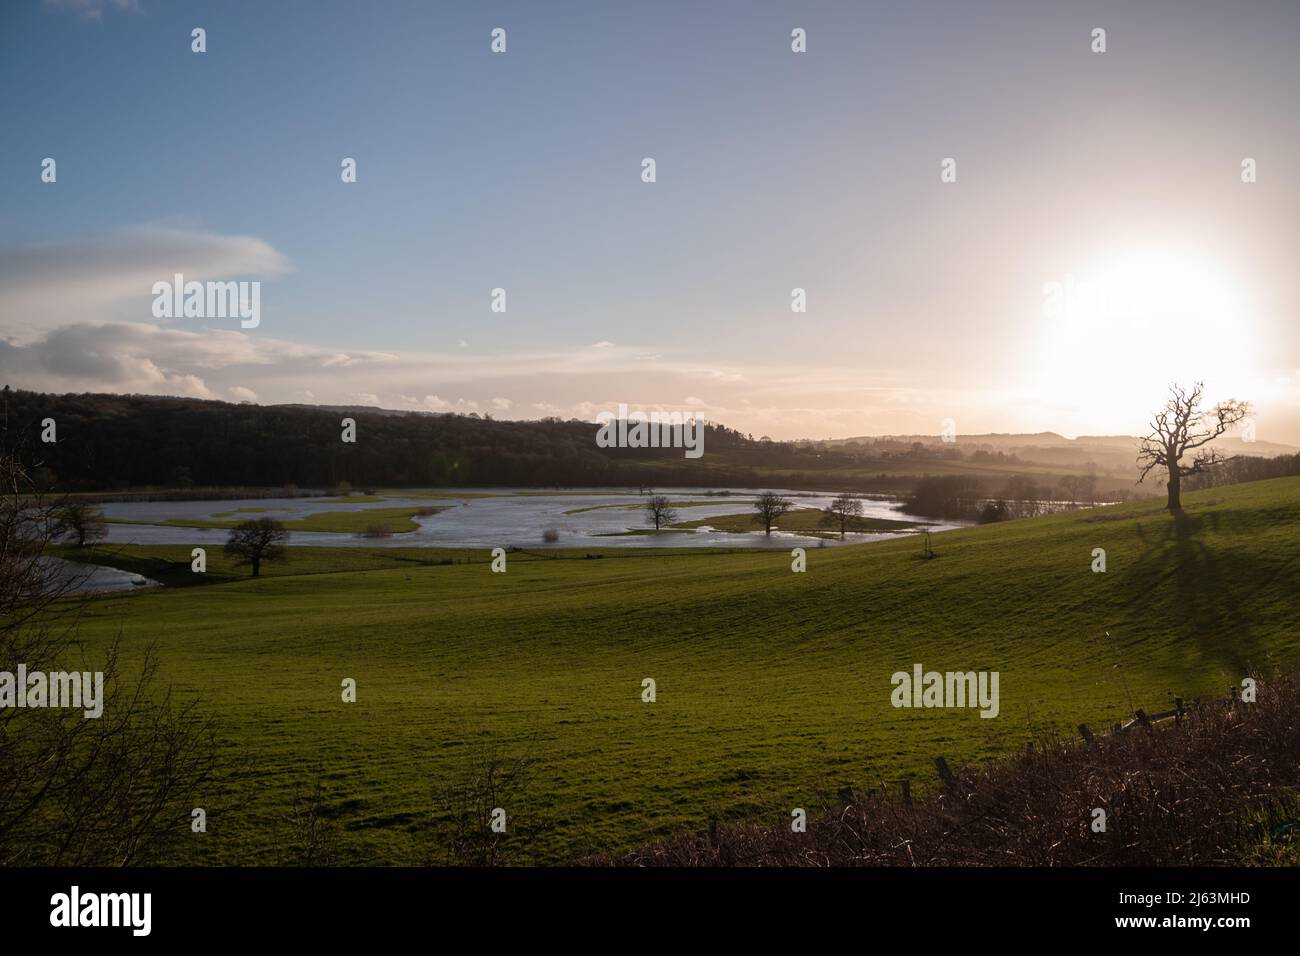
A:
(844, 510)
(659, 510)
(253, 542)
(1181, 427)
(83, 522)
(770, 507)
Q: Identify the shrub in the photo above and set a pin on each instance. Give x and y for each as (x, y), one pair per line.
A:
(1208, 790)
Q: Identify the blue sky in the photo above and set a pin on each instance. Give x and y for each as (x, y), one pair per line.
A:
(775, 170)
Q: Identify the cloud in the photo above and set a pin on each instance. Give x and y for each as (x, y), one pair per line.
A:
(780, 400)
(251, 366)
(72, 361)
(151, 359)
(46, 285)
(76, 316)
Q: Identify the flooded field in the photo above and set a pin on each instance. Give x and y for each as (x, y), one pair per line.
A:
(488, 518)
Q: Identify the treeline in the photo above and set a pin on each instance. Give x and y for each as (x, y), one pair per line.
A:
(107, 442)
(1236, 470)
(1018, 496)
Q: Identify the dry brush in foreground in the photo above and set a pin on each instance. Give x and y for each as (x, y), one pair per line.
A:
(1218, 786)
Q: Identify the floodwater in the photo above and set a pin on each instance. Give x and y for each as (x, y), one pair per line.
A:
(79, 578)
(508, 518)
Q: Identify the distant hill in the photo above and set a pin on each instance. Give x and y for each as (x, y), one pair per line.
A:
(118, 442)
(1228, 444)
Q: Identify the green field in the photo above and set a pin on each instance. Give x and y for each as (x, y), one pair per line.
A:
(772, 686)
(391, 520)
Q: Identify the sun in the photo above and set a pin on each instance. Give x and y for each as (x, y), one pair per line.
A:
(1116, 333)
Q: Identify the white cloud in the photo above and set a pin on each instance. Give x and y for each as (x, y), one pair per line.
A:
(250, 366)
(46, 285)
(62, 329)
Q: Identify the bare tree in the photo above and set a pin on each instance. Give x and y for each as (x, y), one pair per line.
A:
(769, 506)
(844, 510)
(1181, 427)
(660, 511)
(315, 834)
(80, 521)
(112, 790)
(252, 542)
(481, 814)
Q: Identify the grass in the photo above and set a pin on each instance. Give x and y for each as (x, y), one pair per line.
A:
(392, 520)
(772, 686)
(1218, 786)
(170, 564)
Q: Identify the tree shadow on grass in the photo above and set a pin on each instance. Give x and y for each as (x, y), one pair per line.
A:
(1198, 592)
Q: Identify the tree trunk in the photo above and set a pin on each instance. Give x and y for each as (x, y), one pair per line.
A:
(1174, 486)
(257, 566)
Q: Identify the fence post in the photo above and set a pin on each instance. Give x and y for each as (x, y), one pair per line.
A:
(1086, 734)
(907, 793)
(946, 774)
(1178, 711)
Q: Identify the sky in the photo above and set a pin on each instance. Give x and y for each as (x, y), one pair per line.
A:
(1098, 241)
